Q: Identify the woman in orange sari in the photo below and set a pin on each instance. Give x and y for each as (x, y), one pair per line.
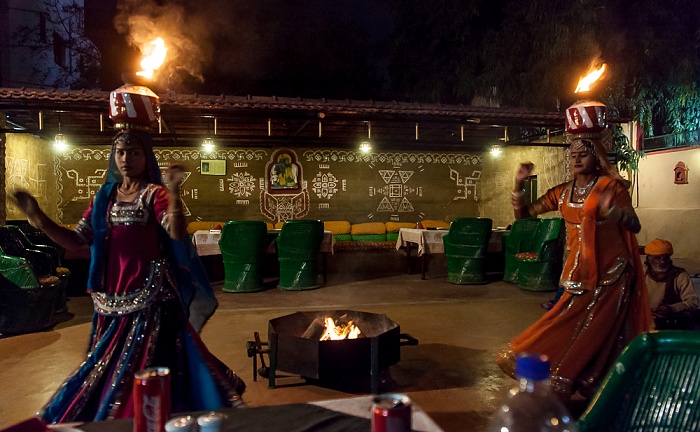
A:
(605, 304)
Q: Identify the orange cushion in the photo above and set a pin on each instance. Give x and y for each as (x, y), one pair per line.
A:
(394, 227)
(528, 256)
(434, 223)
(48, 280)
(337, 227)
(368, 228)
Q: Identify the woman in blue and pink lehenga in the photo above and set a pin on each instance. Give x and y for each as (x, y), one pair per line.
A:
(150, 293)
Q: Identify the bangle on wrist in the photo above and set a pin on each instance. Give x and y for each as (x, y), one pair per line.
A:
(518, 194)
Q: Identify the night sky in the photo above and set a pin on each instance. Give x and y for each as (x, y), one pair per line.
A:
(311, 48)
(519, 54)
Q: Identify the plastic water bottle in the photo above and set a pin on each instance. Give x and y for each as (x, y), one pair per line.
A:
(532, 406)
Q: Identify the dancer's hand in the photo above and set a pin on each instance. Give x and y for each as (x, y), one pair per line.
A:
(25, 202)
(174, 175)
(605, 202)
(524, 171)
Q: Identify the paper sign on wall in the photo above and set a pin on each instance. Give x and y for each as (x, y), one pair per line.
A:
(213, 167)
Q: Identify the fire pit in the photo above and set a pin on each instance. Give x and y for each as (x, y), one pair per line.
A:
(295, 345)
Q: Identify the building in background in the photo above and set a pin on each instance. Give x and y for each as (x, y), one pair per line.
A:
(43, 45)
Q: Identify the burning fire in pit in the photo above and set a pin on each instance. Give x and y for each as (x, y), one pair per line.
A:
(339, 332)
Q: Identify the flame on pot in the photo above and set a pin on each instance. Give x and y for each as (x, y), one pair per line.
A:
(154, 59)
(584, 83)
(339, 332)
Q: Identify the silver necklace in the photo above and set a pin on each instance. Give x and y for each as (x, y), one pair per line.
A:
(583, 190)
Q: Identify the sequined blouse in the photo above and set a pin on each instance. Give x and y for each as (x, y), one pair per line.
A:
(134, 236)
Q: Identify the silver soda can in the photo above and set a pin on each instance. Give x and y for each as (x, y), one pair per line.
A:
(391, 412)
(210, 422)
(181, 424)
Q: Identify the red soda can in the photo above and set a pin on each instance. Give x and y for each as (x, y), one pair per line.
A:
(151, 399)
(391, 412)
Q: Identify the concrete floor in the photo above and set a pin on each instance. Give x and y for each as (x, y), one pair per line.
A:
(450, 373)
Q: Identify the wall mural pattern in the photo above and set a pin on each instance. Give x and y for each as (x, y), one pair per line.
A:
(286, 195)
(396, 189)
(273, 184)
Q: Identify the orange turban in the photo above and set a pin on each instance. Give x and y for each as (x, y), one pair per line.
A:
(659, 247)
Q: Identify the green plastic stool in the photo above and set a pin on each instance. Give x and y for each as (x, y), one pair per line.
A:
(298, 247)
(465, 247)
(242, 245)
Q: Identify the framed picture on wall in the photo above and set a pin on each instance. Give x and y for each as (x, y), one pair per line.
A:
(213, 167)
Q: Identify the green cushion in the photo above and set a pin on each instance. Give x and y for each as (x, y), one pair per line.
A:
(369, 237)
(342, 237)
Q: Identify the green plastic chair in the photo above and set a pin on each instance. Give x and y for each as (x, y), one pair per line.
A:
(26, 305)
(242, 245)
(298, 246)
(517, 240)
(543, 272)
(653, 386)
(465, 247)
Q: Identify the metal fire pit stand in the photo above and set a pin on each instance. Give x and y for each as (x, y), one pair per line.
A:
(255, 348)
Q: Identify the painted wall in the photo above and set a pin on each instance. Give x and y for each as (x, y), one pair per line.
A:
(342, 185)
(270, 184)
(29, 164)
(667, 210)
(551, 169)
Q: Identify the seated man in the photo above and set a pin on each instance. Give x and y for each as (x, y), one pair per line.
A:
(672, 297)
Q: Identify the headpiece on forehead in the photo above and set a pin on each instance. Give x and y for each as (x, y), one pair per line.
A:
(134, 107)
(143, 139)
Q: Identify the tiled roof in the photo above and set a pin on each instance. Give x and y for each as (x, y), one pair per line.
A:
(271, 119)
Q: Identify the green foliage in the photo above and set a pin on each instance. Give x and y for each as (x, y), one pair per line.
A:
(627, 158)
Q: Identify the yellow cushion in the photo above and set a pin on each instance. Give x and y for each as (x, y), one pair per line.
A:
(368, 228)
(203, 225)
(279, 224)
(434, 223)
(337, 227)
(396, 226)
(270, 226)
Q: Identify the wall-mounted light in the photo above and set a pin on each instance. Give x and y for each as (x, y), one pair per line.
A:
(60, 143)
(496, 151)
(366, 145)
(208, 145)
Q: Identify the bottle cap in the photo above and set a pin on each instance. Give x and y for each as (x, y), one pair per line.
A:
(532, 367)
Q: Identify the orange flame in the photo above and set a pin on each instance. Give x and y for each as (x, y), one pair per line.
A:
(584, 83)
(339, 332)
(155, 59)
